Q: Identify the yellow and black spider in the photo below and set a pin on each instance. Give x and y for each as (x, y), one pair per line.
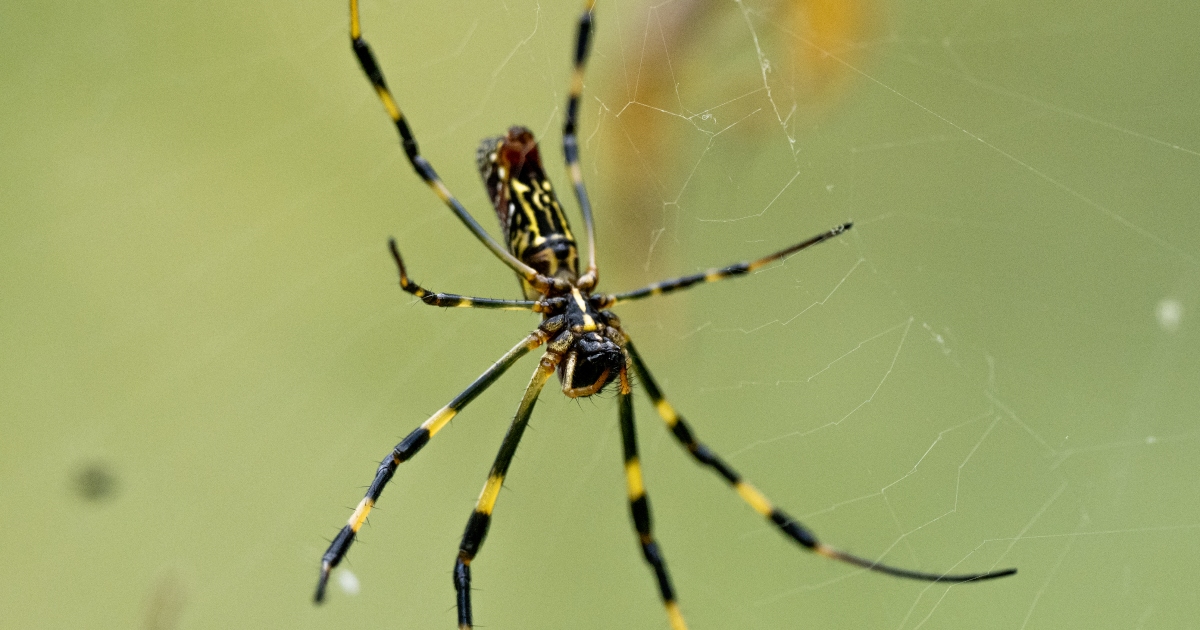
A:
(584, 341)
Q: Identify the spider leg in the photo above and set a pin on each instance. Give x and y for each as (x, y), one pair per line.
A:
(761, 504)
(713, 275)
(366, 59)
(409, 447)
(452, 300)
(583, 41)
(639, 509)
(481, 517)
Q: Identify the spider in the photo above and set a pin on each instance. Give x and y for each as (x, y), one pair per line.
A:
(584, 341)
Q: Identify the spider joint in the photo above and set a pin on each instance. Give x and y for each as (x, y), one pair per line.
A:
(554, 324)
(560, 344)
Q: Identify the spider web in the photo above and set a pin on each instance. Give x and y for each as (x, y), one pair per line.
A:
(994, 368)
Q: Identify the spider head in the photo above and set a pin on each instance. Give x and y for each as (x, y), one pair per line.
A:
(592, 362)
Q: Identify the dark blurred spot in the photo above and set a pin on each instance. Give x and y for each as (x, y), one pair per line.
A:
(95, 481)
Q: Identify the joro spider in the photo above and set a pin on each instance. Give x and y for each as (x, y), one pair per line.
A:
(584, 340)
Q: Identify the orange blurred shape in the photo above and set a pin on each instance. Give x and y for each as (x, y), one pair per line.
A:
(830, 33)
(681, 54)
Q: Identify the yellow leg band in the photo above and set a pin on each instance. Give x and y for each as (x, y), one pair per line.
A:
(439, 420)
(751, 495)
(667, 412)
(633, 477)
(360, 514)
(675, 616)
(487, 498)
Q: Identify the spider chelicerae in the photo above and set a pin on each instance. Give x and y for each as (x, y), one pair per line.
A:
(584, 341)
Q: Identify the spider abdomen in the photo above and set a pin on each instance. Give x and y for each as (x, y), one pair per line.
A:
(535, 228)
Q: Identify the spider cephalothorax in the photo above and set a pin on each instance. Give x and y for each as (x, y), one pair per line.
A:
(583, 340)
(588, 345)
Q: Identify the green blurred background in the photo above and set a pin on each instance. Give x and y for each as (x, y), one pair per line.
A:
(205, 352)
